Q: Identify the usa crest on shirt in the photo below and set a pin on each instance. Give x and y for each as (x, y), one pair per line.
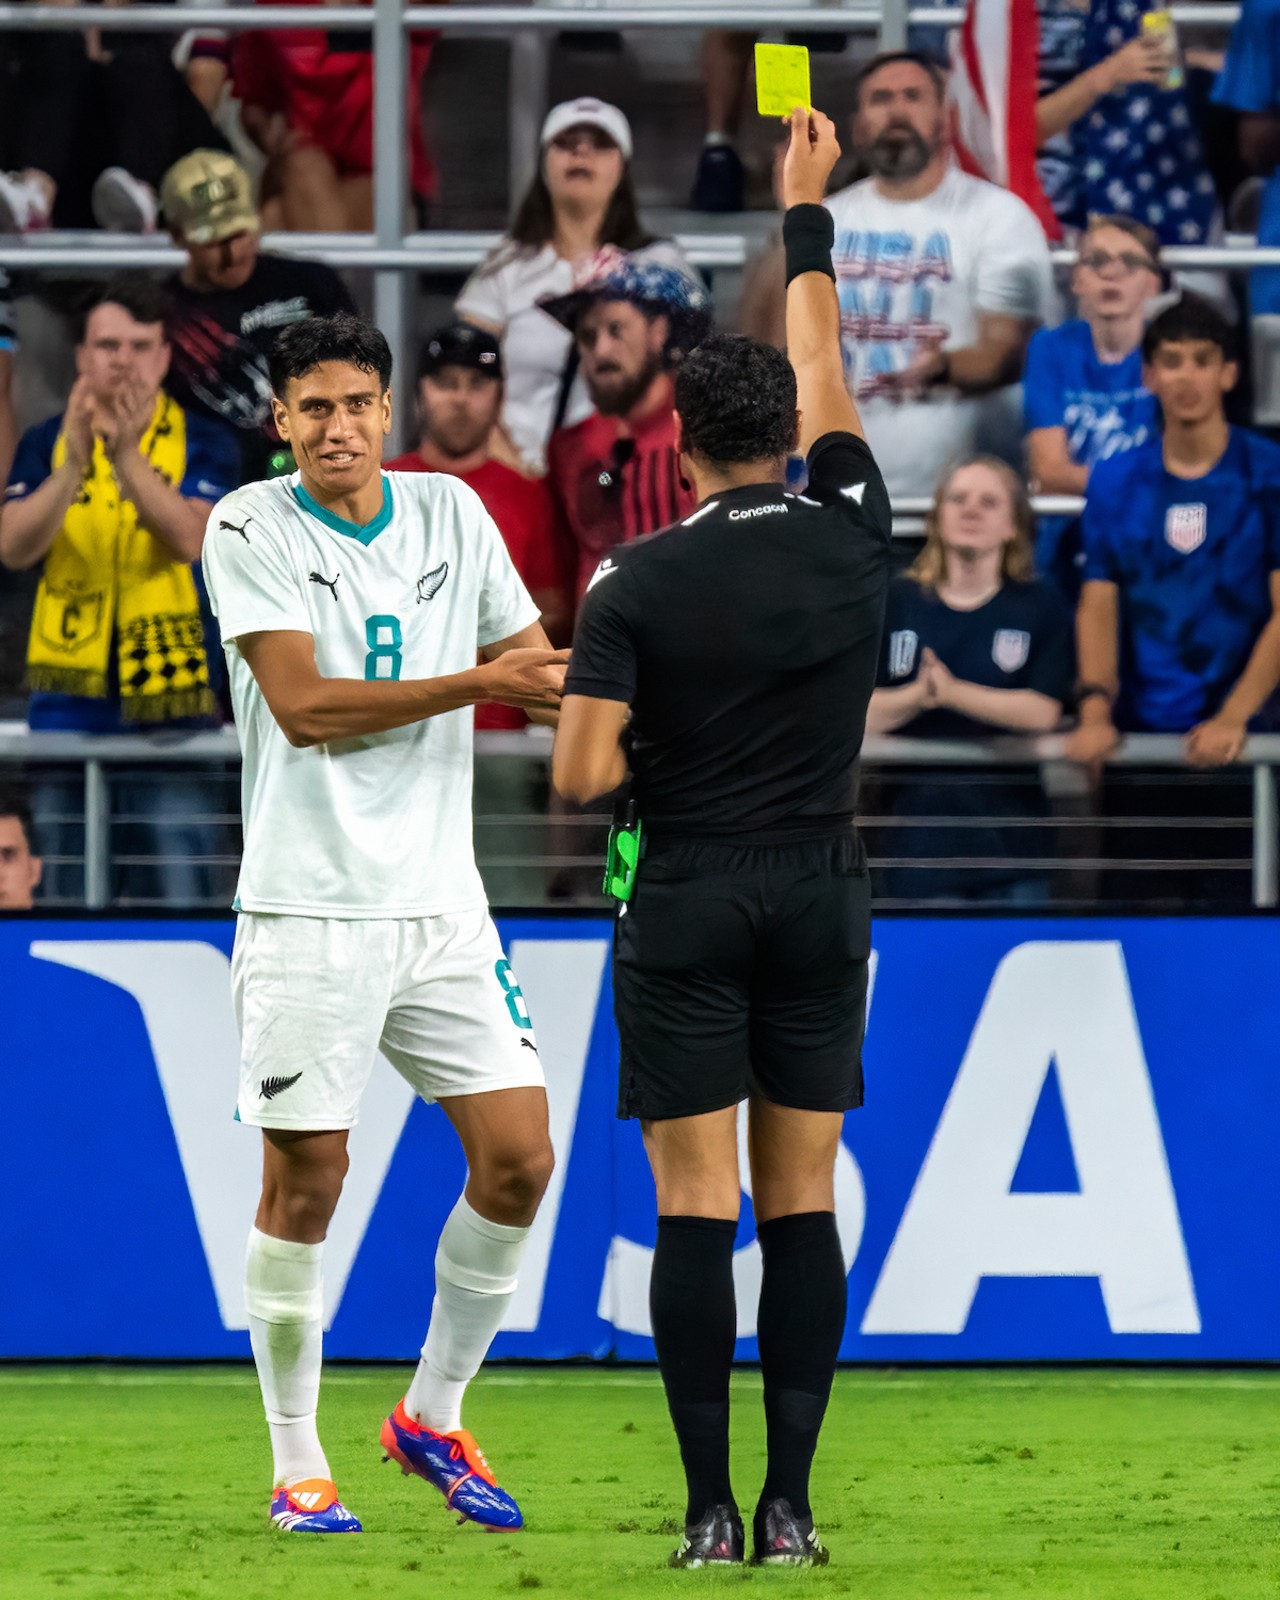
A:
(1185, 527)
(1010, 648)
(902, 652)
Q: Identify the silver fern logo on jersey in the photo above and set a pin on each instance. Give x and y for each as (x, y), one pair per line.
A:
(431, 583)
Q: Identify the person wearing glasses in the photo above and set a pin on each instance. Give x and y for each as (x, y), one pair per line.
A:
(1083, 393)
(616, 474)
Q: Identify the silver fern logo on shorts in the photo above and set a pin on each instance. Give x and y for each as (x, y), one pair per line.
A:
(271, 1087)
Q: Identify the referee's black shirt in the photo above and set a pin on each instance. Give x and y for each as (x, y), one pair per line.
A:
(745, 639)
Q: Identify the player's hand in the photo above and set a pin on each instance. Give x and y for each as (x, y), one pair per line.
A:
(530, 680)
(1215, 743)
(1092, 742)
(811, 155)
(77, 427)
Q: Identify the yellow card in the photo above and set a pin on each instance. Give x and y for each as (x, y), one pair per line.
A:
(782, 79)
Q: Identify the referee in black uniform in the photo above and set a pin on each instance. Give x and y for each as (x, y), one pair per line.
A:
(728, 662)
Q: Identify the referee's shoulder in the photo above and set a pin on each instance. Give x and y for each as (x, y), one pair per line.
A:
(636, 555)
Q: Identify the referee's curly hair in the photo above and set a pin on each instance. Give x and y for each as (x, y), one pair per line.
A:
(737, 401)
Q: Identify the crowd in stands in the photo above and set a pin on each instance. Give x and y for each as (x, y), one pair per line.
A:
(979, 376)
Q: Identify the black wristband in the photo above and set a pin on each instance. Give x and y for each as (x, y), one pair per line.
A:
(808, 232)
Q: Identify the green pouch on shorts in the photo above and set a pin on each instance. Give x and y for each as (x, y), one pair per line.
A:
(623, 859)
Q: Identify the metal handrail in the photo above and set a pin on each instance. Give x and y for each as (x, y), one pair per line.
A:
(417, 252)
(19, 743)
(505, 18)
(96, 752)
(446, 251)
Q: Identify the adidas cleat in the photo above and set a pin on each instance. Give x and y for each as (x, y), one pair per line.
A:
(311, 1506)
(452, 1463)
(783, 1539)
(717, 1540)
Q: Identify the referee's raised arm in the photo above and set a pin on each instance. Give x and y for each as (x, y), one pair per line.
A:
(813, 311)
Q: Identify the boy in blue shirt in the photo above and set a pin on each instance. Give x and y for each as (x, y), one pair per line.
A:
(1179, 619)
(1082, 390)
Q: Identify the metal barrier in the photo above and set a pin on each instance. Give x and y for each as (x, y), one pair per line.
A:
(512, 753)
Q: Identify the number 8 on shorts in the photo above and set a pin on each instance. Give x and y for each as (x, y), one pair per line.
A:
(511, 989)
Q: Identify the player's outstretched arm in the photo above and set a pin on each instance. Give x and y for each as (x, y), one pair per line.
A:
(813, 310)
(533, 638)
(312, 709)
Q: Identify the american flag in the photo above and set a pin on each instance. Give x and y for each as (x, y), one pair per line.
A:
(994, 70)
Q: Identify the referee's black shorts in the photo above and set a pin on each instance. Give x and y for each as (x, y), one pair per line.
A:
(742, 969)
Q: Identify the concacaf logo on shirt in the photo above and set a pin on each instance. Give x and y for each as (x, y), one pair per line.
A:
(1185, 527)
(902, 652)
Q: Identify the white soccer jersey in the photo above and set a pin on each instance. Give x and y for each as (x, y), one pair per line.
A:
(377, 826)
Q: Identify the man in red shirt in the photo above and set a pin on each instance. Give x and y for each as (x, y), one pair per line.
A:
(459, 402)
(616, 475)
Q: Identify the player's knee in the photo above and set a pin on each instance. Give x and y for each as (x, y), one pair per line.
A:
(514, 1180)
(299, 1197)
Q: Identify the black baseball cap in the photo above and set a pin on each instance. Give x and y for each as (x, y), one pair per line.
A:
(460, 344)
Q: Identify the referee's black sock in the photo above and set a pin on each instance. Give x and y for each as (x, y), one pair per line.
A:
(695, 1322)
(803, 1299)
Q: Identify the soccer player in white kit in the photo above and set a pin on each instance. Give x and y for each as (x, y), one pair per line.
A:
(352, 604)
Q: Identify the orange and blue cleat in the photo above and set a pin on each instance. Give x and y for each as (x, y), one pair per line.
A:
(311, 1506)
(452, 1462)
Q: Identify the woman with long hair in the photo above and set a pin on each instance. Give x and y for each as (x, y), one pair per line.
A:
(580, 203)
(973, 646)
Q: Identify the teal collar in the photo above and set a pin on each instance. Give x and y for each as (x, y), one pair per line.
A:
(352, 530)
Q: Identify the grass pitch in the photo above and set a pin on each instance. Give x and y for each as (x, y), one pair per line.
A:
(931, 1485)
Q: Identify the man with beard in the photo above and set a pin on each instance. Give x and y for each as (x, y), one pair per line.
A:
(460, 395)
(942, 277)
(616, 474)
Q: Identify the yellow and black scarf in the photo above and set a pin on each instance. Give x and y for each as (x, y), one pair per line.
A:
(105, 576)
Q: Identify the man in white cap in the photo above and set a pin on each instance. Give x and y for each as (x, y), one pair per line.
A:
(230, 300)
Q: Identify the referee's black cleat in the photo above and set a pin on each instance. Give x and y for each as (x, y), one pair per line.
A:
(716, 1540)
(782, 1539)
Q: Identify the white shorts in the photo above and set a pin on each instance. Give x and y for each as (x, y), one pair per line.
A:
(317, 997)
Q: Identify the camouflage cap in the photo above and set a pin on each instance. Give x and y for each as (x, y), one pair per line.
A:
(207, 197)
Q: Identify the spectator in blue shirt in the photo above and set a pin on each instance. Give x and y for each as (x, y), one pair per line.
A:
(1082, 390)
(973, 647)
(1179, 620)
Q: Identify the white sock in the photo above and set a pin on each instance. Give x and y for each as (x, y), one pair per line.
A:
(476, 1265)
(284, 1298)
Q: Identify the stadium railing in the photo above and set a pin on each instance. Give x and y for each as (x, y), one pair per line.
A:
(554, 859)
